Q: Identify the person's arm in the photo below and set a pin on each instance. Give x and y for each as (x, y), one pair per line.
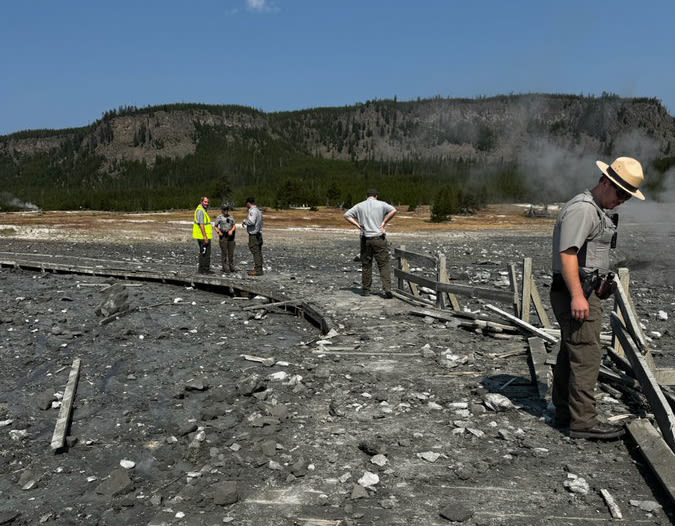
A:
(234, 227)
(570, 273)
(388, 218)
(217, 228)
(353, 221)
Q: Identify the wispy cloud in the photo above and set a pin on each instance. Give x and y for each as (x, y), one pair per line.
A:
(261, 6)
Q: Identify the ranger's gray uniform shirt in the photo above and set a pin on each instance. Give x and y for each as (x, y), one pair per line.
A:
(370, 214)
(584, 225)
(254, 221)
(224, 223)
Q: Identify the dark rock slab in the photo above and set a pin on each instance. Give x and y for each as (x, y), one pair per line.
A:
(117, 484)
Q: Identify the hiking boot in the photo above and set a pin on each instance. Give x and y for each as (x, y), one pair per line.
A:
(599, 431)
(207, 271)
(388, 295)
(365, 292)
(255, 272)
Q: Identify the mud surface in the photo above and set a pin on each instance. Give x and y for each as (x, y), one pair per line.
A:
(217, 439)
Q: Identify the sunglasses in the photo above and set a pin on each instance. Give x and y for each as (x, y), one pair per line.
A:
(621, 194)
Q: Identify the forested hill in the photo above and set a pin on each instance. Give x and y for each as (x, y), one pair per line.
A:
(479, 150)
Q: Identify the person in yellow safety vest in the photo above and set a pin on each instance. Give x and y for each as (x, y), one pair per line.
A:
(202, 231)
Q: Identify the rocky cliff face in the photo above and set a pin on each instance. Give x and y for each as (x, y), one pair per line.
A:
(504, 128)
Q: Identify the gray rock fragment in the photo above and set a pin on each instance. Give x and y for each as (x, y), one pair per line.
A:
(456, 512)
(645, 505)
(225, 493)
(186, 429)
(44, 400)
(359, 492)
(117, 484)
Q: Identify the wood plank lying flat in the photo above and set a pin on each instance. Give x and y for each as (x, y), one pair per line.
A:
(63, 420)
(660, 458)
(261, 306)
(663, 413)
(614, 509)
(541, 373)
(418, 259)
(228, 286)
(409, 298)
(521, 323)
(439, 315)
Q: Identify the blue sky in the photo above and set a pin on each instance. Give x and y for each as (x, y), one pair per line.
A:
(63, 63)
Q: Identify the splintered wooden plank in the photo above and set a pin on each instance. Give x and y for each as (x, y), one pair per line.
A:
(405, 267)
(527, 287)
(513, 280)
(624, 278)
(614, 509)
(442, 276)
(630, 319)
(263, 306)
(63, 420)
(541, 372)
(660, 458)
(663, 413)
(476, 292)
(521, 323)
(538, 305)
(412, 300)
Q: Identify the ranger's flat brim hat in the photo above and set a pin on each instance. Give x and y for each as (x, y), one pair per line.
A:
(626, 173)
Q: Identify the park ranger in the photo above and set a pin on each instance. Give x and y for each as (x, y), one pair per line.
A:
(582, 237)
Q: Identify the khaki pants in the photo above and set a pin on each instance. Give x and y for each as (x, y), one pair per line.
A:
(255, 243)
(227, 253)
(375, 247)
(204, 255)
(578, 364)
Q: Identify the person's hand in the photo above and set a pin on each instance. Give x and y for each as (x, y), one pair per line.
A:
(580, 308)
(207, 241)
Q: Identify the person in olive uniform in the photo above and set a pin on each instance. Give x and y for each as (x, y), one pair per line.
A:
(582, 237)
(226, 227)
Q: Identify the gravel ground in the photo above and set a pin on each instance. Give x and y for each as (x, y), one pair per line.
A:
(398, 402)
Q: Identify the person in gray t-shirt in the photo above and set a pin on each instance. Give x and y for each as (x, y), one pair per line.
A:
(371, 217)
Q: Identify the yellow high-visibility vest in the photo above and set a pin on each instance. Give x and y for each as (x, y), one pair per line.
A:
(208, 227)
